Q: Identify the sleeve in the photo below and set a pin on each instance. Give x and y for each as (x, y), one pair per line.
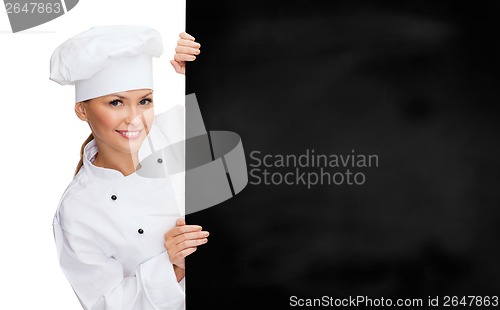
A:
(100, 284)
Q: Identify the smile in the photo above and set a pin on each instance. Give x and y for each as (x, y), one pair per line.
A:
(130, 134)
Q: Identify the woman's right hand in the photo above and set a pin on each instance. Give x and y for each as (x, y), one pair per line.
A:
(182, 240)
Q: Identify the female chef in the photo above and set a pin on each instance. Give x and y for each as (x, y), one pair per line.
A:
(120, 238)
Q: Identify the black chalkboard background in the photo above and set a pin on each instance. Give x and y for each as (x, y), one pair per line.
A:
(414, 82)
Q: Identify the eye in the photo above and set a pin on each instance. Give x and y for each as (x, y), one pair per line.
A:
(145, 101)
(115, 103)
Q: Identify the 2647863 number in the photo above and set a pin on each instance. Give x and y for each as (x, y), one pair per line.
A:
(469, 301)
(33, 8)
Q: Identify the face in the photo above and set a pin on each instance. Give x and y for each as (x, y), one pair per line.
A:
(119, 122)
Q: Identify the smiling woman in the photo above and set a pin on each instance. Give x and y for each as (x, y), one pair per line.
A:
(121, 238)
(119, 123)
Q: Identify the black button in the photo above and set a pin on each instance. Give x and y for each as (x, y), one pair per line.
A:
(141, 231)
(160, 160)
(113, 197)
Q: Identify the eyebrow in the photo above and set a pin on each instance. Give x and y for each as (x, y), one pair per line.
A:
(123, 97)
(150, 93)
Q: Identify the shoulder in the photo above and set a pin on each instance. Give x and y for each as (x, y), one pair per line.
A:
(74, 203)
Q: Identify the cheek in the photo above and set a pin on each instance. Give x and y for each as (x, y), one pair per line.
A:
(104, 121)
(149, 117)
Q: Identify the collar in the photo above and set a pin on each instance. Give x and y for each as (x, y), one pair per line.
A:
(89, 154)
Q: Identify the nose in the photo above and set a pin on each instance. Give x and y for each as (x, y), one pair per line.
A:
(133, 117)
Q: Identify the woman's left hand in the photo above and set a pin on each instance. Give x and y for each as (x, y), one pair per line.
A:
(186, 50)
(182, 240)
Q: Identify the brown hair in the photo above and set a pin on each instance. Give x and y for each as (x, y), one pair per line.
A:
(80, 163)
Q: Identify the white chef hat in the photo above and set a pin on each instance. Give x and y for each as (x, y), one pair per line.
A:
(107, 59)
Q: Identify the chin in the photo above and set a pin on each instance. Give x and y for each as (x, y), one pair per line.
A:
(135, 145)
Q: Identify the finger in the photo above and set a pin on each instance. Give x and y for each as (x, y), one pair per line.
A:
(190, 243)
(186, 36)
(188, 43)
(172, 242)
(181, 230)
(187, 228)
(183, 57)
(180, 256)
(180, 221)
(173, 246)
(190, 236)
(187, 50)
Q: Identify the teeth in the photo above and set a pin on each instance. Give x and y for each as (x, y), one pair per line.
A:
(130, 133)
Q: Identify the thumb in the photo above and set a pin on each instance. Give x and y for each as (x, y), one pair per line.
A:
(177, 66)
(180, 222)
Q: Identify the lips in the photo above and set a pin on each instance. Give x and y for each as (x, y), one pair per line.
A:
(130, 134)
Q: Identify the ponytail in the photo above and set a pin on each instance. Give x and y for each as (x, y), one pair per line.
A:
(80, 163)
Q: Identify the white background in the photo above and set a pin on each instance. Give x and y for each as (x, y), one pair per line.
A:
(41, 137)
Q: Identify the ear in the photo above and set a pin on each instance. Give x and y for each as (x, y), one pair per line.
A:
(80, 111)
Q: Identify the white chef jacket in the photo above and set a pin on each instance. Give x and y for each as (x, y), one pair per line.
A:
(109, 233)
